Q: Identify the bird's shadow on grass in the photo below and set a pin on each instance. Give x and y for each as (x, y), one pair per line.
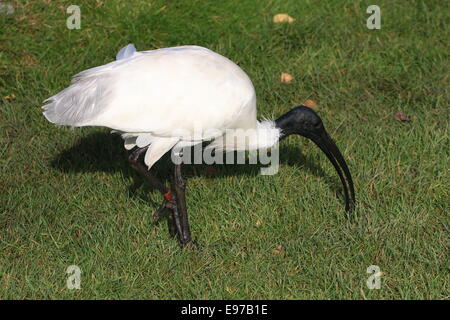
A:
(104, 152)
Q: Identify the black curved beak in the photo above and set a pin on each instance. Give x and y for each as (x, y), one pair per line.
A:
(327, 145)
(304, 121)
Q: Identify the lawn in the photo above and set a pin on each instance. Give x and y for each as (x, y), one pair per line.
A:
(69, 197)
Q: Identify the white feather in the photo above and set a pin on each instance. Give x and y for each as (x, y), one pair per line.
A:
(160, 97)
(266, 135)
(126, 52)
(157, 149)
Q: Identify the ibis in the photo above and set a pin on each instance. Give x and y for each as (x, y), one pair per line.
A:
(155, 99)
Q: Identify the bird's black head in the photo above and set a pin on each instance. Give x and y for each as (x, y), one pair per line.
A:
(307, 123)
(300, 120)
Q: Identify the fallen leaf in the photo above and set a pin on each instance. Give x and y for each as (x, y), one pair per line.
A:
(258, 223)
(286, 77)
(11, 96)
(278, 249)
(282, 18)
(400, 116)
(310, 103)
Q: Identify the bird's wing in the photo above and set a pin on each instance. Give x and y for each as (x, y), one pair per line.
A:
(157, 92)
(89, 94)
(157, 146)
(157, 149)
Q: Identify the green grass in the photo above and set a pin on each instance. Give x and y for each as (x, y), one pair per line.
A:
(68, 196)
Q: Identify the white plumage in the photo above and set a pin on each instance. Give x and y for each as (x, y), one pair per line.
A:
(162, 98)
(179, 97)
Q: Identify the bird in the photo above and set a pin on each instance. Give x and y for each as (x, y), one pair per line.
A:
(156, 99)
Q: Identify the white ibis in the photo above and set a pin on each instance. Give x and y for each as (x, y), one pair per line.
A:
(148, 96)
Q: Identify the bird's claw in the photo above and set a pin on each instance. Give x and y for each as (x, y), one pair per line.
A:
(159, 213)
(173, 220)
(193, 245)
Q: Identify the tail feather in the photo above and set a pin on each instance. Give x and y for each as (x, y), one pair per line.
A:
(88, 96)
(79, 104)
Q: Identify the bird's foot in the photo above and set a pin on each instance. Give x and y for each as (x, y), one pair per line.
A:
(190, 244)
(174, 221)
(185, 242)
(169, 203)
(159, 213)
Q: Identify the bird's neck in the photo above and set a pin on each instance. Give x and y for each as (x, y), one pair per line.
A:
(264, 135)
(267, 135)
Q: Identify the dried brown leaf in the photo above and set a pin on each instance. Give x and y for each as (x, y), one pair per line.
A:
(286, 77)
(11, 96)
(282, 18)
(310, 103)
(400, 116)
(278, 249)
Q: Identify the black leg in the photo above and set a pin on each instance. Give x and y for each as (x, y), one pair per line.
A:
(171, 225)
(168, 202)
(178, 219)
(133, 159)
(179, 186)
